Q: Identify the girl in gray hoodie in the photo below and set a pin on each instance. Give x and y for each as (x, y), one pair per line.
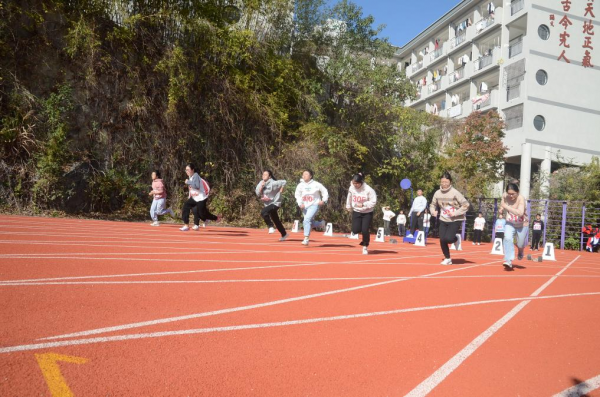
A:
(269, 191)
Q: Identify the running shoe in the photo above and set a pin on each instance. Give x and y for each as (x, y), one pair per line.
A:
(283, 238)
(196, 227)
(184, 229)
(305, 241)
(271, 230)
(508, 266)
(446, 261)
(458, 243)
(155, 223)
(478, 243)
(365, 251)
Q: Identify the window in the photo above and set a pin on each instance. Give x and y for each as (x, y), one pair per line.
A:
(544, 32)
(542, 77)
(539, 122)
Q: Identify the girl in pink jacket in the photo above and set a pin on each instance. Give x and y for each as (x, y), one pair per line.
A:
(160, 199)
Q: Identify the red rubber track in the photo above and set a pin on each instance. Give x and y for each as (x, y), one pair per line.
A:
(230, 311)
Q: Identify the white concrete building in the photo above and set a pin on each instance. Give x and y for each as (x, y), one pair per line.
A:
(508, 55)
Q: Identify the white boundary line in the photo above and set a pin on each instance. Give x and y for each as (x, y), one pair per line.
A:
(87, 341)
(236, 309)
(273, 280)
(581, 389)
(426, 386)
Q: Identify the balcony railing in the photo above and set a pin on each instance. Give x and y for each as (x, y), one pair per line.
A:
(417, 66)
(515, 49)
(458, 40)
(516, 6)
(455, 110)
(513, 92)
(483, 24)
(483, 62)
(457, 75)
(433, 87)
(436, 54)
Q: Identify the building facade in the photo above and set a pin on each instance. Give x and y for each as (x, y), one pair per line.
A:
(531, 60)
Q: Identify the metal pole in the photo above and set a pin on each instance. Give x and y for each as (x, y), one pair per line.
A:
(494, 221)
(545, 223)
(528, 217)
(463, 229)
(582, 226)
(564, 226)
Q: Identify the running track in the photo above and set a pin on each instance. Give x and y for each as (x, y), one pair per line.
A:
(96, 308)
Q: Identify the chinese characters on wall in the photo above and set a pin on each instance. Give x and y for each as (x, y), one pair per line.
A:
(566, 25)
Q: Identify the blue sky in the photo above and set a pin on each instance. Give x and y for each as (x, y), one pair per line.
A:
(404, 19)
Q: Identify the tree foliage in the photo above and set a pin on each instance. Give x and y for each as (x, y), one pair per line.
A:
(95, 94)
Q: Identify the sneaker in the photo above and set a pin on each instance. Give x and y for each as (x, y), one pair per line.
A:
(478, 243)
(305, 241)
(458, 243)
(184, 229)
(155, 223)
(473, 243)
(283, 238)
(447, 261)
(507, 266)
(196, 227)
(520, 257)
(271, 230)
(365, 251)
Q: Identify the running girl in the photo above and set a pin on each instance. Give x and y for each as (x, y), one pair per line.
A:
(269, 190)
(310, 195)
(361, 201)
(197, 197)
(516, 223)
(160, 199)
(453, 207)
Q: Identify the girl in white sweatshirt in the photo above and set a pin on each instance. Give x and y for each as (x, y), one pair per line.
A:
(310, 195)
(361, 201)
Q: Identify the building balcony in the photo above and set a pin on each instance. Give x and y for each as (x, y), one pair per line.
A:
(515, 49)
(516, 6)
(433, 87)
(486, 62)
(484, 24)
(416, 67)
(436, 54)
(455, 111)
(489, 100)
(457, 75)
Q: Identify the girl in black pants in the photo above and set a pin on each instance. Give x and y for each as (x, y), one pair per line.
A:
(453, 207)
(361, 201)
(269, 191)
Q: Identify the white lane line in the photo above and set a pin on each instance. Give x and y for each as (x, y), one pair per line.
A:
(269, 280)
(237, 309)
(46, 345)
(581, 389)
(445, 370)
(364, 261)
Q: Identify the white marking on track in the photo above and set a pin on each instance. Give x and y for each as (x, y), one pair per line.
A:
(237, 309)
(426, 386)
(273, 280)
(87, 341)
(581, 389)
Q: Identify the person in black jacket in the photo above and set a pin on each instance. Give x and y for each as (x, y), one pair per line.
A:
(538, 229)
